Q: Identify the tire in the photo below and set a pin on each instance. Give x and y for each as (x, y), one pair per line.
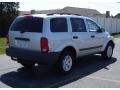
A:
(107, 54)
(27, 65)
(66, 62)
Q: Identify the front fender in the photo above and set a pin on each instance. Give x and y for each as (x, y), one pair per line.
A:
(106, 41)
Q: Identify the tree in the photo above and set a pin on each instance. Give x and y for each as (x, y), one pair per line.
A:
(8, 12)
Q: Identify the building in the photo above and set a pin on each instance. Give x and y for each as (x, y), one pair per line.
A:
(24, 12)
(117, 16)
(69, 10)
(72, 10)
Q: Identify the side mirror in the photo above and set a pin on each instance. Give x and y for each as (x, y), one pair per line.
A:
(101, 30)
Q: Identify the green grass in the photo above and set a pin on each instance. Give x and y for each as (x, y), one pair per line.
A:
(2, 45)
(116, 35)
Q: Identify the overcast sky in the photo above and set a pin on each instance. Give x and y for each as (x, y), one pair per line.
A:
(101, 5)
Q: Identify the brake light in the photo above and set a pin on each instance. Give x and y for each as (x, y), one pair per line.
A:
(7, 39)
(28, 17)
(44, 45)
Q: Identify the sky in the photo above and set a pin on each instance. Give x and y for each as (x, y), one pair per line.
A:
(101, 5)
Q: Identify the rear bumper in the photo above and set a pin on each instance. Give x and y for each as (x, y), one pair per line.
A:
(32, 56)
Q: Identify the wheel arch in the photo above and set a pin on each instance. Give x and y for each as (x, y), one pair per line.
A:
(70, 48)
(106, 44)
(112, 43)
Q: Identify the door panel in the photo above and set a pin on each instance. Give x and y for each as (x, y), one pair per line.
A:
(83, 42)
(80, 36)
(97, 38)
(25, 33)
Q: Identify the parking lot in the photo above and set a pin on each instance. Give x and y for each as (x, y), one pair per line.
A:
(90, 71)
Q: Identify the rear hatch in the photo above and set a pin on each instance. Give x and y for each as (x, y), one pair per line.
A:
(25, 33)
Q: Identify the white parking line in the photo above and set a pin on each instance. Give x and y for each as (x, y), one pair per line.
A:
(105, 79)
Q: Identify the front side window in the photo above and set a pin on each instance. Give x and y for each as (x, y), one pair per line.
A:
(78, 25)
(58, 25)
(92, 25)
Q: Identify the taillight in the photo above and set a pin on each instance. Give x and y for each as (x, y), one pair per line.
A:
(7, 39)
(44, 45)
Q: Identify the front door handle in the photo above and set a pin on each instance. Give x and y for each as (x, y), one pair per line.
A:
(92, 36)
(75, 37)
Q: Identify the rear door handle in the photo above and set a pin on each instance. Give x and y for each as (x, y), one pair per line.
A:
(92, 36)
(75, 37)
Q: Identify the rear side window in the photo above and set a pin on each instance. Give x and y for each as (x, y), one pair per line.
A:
(78, 25)
(58, 25)
(28, 24)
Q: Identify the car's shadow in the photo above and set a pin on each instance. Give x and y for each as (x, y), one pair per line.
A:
(44, 76)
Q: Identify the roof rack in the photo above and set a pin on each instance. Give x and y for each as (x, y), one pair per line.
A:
(63, 14)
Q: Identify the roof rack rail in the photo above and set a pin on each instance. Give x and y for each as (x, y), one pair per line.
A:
(63, 14)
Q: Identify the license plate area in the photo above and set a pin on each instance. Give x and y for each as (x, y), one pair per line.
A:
(22, 44)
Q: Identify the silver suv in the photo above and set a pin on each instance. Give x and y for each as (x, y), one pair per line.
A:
(56, 39)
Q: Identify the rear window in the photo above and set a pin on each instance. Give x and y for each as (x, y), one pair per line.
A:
(28, 24)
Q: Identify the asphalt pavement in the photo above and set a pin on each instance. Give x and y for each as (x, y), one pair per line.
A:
(90, 72)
